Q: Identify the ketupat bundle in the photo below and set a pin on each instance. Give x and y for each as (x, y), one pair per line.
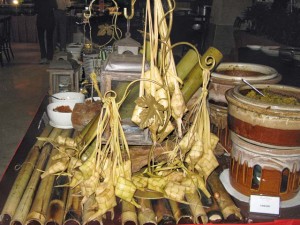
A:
(196, 146)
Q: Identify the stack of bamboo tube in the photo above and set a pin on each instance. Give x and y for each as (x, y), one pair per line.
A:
(49, 201)
(29, 197)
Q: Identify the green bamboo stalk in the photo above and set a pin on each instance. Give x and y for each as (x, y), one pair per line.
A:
(127, 107)
(90, 132)
(41, 200)
(194, 79)
(192, 83)
(89, 151)
(148, 51)
(186, 64)
(23, 177)
(81, 135)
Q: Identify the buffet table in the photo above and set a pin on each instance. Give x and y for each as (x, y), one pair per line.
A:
(287, 215)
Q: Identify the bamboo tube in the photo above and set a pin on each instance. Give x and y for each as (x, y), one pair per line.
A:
(229, 210)
(27, 198)
(90, 134)
(56, 207)
(196, 208)
(146, 214)
(22, 179)
(89, 151)
(148, 51)
(84, 134)
(38, 211)
(212, 55)
(129, 215)
(194, 79)
(73, 207)
(88, 211)
(120, 88)
(186, 64)
(181, 212)
(211, 208)
(192, 83)
(163, 211)
(127, 107)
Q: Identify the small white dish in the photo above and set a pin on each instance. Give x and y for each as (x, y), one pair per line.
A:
(76, 97)
(254, 47)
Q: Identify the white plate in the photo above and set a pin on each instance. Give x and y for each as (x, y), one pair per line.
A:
(59, 126)
(271, 50)
(225, 179)
(254, 47)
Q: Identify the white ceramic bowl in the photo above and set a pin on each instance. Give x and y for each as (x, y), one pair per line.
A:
(60, 119)
(68, 96)
(271, 50)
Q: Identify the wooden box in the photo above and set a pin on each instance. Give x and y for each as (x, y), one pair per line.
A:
(63, 77)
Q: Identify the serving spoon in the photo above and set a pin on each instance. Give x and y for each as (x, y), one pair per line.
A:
(254, 88)
(55, 97)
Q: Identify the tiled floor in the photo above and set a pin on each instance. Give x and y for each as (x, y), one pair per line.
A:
(23, 85)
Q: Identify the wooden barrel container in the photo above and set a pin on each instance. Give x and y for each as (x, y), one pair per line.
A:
(263, 170)
(265, 156)
(227, 76)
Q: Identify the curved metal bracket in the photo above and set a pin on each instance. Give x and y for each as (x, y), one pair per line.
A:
(132, 11)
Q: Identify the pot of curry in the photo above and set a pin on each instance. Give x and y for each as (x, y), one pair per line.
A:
(269, 120)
